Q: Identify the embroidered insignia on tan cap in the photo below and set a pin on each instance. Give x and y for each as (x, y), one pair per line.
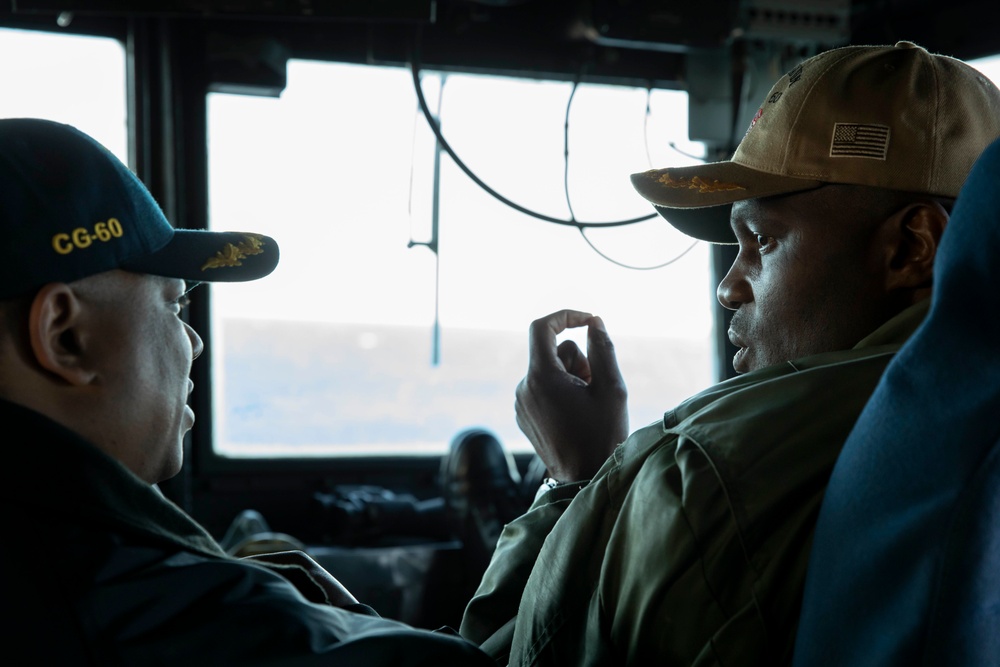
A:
(855, 140)
(231, 255)
(697, 183)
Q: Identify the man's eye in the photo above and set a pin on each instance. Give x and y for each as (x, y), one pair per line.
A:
(764, 241)
(181, 302)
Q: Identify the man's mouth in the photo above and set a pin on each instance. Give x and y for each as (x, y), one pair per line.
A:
(736, 339)
(739, 343)
(187, 406)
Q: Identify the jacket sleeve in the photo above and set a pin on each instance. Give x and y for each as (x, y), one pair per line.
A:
(677, 583)
(645, 566)
(188, 610)
(489, 617)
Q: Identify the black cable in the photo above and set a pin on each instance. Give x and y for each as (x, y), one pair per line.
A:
(436, 129)
(677, 150)
(645, 139)
(413, 167)
(415, 70)
(645, 125)
(645, 134)
(569, 105)
(670, 261)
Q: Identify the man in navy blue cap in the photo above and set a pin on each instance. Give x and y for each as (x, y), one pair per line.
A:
(94, 366)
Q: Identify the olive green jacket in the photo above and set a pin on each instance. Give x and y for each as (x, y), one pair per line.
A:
(689, 546)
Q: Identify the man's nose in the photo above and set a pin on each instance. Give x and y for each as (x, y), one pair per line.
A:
(734, 290)
(197, 344)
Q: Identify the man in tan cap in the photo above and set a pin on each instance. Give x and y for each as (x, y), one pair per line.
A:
(687, 543)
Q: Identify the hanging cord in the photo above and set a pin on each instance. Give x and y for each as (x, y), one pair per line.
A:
(415, 69)
(645, 126)
(433, 243)
(569, 105)
(671, 144)
(690, 156)
(645, 138)
(670, 261)
(413, 159)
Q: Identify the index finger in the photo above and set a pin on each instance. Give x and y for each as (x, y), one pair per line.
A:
(543, 332)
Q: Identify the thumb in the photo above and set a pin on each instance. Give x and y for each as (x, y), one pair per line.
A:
(604, 369)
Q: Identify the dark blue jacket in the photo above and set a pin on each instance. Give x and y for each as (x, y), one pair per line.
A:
(98, 568)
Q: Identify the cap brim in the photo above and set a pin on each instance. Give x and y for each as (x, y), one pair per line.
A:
(706, 224)
(697, 200)
(206, 256)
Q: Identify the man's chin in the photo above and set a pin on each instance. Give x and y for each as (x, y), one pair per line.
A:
(741, 361)
(173, 459)
(171, 468)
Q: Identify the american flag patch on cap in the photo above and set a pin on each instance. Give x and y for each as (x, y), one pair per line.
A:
(854, 140)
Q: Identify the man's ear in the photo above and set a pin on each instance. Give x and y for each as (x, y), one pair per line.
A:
(916, 234)
(54, 334)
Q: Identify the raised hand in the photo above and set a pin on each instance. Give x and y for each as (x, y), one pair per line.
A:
(572, 407)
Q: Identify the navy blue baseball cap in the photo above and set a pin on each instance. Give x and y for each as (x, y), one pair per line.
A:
(70, 209)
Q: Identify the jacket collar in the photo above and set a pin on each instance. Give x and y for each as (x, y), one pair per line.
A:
(887, 339)
(60, 472)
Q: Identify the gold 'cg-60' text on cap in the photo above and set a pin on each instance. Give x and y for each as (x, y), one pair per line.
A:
(894, 117)
(70, 209)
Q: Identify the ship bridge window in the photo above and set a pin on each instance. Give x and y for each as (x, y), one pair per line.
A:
(399, 313)
(73, 79)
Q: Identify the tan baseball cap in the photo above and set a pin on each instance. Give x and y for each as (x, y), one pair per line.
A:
(894, 117)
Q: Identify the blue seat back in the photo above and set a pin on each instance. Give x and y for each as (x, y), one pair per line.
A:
(905, 564)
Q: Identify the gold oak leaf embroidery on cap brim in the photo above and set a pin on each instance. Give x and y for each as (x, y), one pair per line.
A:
(230, 255)
(697, 183)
